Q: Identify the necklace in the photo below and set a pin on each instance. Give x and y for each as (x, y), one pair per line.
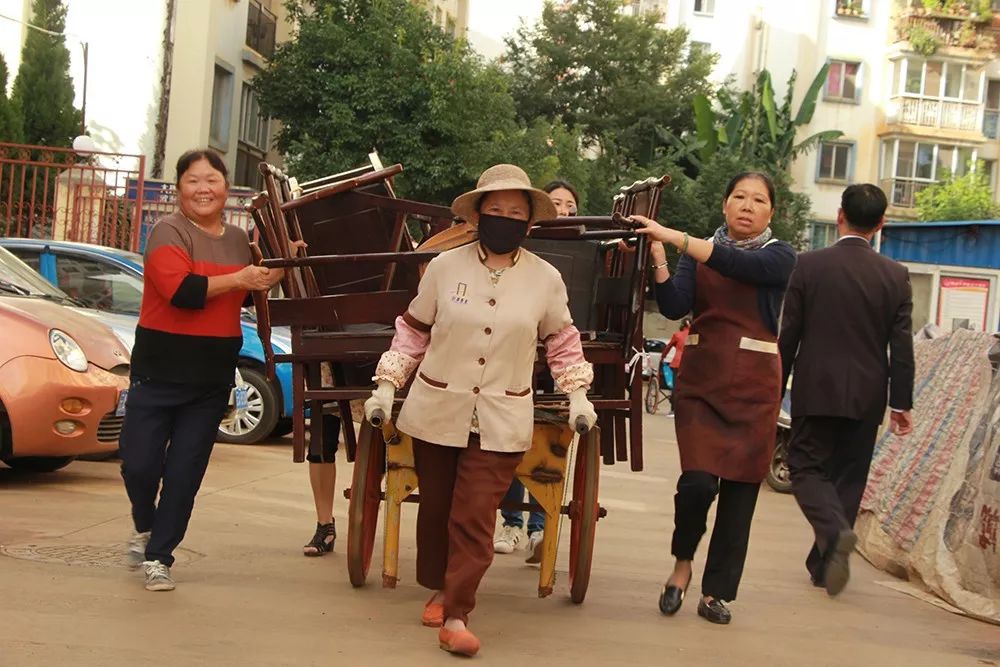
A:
(212, 234)
(496, 273)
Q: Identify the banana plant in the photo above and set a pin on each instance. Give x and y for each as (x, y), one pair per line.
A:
(753, 126)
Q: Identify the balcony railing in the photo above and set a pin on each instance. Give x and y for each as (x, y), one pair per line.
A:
(903, 191)
(261, 29)
(927, 32)
(943, 114)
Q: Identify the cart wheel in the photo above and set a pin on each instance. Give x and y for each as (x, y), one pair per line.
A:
(652, 395)
(366, 491)
(583, 517)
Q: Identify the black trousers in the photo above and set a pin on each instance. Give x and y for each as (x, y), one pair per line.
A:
(828, 458)
(165, 444)
(727, 552)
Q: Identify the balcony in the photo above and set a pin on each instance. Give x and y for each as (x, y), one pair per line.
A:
(942, 114)
(927, 31)
(903, 191)
(261, 29)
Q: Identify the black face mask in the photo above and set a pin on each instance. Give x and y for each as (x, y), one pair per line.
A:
(501, 235)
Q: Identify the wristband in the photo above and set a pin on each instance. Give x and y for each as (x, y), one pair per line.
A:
(660, 266)
(684, 248)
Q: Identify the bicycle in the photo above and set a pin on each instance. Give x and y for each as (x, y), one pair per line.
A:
(658, 376)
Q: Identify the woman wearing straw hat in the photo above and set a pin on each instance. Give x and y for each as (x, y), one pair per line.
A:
(470, 334)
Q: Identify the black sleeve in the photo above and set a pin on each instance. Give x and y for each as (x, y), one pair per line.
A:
(769, 266)
(248, 302)
(675, 297)
(791, 326)
(901, 364)
(192, 292)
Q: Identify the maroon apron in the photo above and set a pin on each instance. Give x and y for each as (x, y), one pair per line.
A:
(729, 388)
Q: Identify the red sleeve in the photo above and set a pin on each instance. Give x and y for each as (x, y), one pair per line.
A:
(170, 269)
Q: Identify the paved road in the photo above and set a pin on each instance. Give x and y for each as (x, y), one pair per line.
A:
(246, 597)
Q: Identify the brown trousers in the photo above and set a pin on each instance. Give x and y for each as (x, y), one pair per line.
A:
(460, 490)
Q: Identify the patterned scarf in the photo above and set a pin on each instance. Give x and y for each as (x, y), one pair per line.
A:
(722, 237)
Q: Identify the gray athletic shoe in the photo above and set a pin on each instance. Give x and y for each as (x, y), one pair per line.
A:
(157, 576)
(136, 552)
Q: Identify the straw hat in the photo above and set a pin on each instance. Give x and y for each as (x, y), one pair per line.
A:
(503, 177)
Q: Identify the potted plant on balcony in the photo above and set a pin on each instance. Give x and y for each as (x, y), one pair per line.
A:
(922, 39)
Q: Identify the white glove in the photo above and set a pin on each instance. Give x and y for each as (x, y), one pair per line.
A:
(381, 399)
(580, 406)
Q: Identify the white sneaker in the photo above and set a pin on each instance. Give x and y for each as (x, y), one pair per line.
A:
(535, 547)
(157, 576)
(507, 540)
(136, 552)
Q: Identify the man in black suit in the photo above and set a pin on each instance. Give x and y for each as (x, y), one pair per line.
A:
(846, 330)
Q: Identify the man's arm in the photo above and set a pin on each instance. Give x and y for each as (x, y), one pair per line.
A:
(901, 365)
(791, 325)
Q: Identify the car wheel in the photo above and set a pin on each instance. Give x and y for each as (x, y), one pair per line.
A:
(282, 428)
(38, 463)
(259, 419)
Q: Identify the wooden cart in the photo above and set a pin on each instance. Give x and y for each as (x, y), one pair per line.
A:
(361, 269)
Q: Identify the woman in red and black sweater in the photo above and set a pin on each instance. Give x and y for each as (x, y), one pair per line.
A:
(197, 276)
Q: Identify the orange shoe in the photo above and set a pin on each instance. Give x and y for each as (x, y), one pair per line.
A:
(433, 616)
(462, 642)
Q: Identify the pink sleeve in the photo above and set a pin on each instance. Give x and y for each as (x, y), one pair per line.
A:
(564, 354)
(408, 347)
(409, 340)
(563, 349)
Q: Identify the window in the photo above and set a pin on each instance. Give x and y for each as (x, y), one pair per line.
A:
(222, 107)
(834, 164)
(937, 79)
(704, 7)
(991, 115)
(910, 166)
(822, 234)
(843, 82)
(253, 139)
(99, 285)
(855, 8)
(253, 125)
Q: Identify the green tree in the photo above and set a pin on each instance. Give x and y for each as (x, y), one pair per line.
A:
(10, 118)
(43, 89)
(745, 130)
(364, 74)
(966, 197)
(613, 76)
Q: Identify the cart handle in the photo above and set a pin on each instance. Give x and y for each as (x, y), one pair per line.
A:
(377, 418)
(580, 426)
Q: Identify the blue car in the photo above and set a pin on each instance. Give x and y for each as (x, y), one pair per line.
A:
(110, 280)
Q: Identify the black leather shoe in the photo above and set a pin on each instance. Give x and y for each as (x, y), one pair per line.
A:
(671, 599)
(838, 570)
(714, 612)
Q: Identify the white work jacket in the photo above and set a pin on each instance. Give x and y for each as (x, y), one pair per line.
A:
(482, 349)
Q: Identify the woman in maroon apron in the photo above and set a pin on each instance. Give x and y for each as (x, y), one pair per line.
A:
(729, 393)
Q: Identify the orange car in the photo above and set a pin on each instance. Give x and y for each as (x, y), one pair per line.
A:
(63, 376)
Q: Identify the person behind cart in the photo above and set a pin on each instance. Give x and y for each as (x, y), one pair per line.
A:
(564, 198)
(197, 277)
(470, 335)
(679, 338)
(729, 385)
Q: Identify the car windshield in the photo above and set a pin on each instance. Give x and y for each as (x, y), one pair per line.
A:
(21, 276)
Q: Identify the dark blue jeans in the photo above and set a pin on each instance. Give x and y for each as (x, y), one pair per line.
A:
(515, 494)
(166, 441)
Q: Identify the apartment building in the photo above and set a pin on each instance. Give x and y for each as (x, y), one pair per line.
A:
(164, 76)
(915, 92)
(452, 16)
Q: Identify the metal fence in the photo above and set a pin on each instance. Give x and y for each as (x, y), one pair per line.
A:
(90, 197)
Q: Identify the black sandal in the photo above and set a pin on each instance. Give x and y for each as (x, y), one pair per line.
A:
(322, 542)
